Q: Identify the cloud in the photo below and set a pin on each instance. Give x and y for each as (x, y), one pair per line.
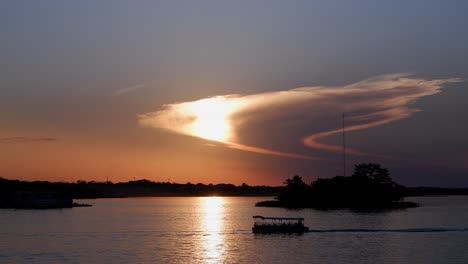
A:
(26, 139)
(128, 89)
(307, 115)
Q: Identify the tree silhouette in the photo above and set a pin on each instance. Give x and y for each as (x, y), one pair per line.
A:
(373, 172)
(295, 183)
(294, 194)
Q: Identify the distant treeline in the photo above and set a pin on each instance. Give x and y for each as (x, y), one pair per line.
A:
(138, 188)
(434, 191)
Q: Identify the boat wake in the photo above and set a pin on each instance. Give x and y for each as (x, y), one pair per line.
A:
(400, 230)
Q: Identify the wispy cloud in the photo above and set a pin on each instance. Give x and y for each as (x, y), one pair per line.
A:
(26, 139)
(128, 89)
(302, 114)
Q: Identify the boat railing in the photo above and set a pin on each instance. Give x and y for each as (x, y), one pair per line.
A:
(275, 221)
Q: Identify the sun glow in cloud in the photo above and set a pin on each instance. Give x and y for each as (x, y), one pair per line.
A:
(212, 119)
(368, 103)
(206, 118)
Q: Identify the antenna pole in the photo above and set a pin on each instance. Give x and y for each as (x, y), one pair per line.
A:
(344, 146)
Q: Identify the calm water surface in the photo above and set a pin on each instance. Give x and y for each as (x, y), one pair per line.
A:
(218, 230)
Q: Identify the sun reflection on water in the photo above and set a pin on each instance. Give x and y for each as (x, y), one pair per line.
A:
(212, 225)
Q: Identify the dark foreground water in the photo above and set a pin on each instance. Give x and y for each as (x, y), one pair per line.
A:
(218, 230)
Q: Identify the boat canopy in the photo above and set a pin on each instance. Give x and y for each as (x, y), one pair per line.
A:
(278, 218)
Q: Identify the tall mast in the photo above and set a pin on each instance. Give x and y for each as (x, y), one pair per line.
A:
(344, 146)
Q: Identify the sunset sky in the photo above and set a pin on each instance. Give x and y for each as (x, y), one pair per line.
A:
(233, 91)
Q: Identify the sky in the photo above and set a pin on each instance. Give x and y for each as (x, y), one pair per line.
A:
(233, 91)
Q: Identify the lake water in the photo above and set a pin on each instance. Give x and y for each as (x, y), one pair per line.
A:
(218, 230)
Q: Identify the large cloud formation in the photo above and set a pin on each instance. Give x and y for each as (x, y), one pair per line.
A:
(300, 115)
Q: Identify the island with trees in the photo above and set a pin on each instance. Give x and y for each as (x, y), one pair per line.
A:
(369, 188)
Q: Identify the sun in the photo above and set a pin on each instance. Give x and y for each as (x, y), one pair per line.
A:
(212, 119)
